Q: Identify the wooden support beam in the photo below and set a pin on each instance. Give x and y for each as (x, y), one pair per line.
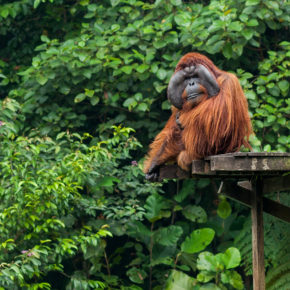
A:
(243, 196)
(258, 235)
(271, 184)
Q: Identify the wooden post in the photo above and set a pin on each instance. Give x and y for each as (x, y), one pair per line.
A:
(258, 235)
(267, 170)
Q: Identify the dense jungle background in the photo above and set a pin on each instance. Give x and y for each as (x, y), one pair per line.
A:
(83, 93)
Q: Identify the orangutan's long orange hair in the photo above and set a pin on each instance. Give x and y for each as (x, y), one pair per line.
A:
(216, 125)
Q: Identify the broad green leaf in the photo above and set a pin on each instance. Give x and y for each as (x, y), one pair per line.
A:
(142, 68)
(165, 105)
(188, 188)
(232, 258)
(155, 204)
(252, 22)
(129, 102)
(159, 43)
(205, 276)
(168, 236)
(238, 49)
(107, 181)
(224, 209)
(250, 95)
(176, 2)
(36, 3)
(80, 97)
(182, 19)
(139, 231)
(235, 26)
(233, 278)
(244, 17)
(142, 107)
(89, 93)
(216, 47)
(252, 2)
(271, 119)
(210, 286)
(127, 69)
(188, 259)
(248, 33)
(92, 7)
(267, 148)
(60, 135)
(284, 140)
(138, 97)
(198, 240)
(227, 50)
(115, 2)
(94, 100)
(195, 213)
(4, 12)
(179, 281)
(136, 275)
(261, 89)
(206, 261)
(283, 85)
(42, 80)
(161, 74)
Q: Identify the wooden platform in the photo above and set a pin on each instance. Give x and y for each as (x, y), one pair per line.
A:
(255, 173)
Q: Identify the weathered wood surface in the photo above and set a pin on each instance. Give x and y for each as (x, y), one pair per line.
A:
(172, 172)
(258, 236)
(249, 163)
(233, 165)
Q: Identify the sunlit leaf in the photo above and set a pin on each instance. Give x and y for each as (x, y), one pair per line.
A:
(198, 240)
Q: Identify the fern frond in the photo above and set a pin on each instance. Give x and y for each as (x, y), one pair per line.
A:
(279, 277)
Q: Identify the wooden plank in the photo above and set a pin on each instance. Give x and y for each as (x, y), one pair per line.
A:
(198, 167)
(252, 154)
(171, 172)
(243, 196)
(230, 163)
(271, 184)
(201, 167)
(258, 235)
(266, 154)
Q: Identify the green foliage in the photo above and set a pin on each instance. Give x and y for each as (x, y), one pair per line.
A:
(124, 43)
(44, 218)
(224, 209)
(179, 280)
(197, 241)
(278, 276)
(270, 99)
(217, 267)
(75, 211)
(213, 268)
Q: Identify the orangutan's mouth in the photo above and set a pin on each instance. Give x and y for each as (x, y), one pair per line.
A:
(193, 96)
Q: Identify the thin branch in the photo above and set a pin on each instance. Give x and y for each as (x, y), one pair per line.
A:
(107, 263)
